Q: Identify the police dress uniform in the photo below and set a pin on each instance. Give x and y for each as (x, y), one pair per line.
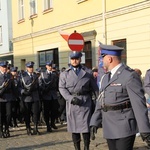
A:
(29, 88)
(121, 104)
(6, 97)
(16, 99)
(48, 82)
(78, 87)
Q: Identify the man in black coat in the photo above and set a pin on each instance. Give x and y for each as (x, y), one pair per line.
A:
(29, 88)
(6, 97)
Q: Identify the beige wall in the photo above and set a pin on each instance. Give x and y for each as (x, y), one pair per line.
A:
(128, 20)
(135, 27)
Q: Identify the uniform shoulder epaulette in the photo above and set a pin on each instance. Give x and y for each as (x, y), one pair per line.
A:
(129, 69)
(67, 69)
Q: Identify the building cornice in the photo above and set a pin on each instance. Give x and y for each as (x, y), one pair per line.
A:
(6, 54)
(98, 17)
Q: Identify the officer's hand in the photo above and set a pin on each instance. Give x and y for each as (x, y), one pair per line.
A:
(93, 131)
(146, 138)
(25, 92)
(76, 101)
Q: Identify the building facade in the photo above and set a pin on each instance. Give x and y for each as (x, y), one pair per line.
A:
(6, 46)
(36, 26)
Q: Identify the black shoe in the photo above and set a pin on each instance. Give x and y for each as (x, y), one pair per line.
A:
(49, 129)
(2, 135)
(7, 134)
(54, 126)
(36, 132)
(29, 131)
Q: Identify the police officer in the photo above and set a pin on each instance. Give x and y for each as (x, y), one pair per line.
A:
(29, 88)
(6, 97)
(121, 103)
(16, 99)
(75, 85)
(49, 88)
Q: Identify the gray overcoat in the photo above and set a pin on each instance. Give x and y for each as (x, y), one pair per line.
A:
(78, 117)
(125, 85)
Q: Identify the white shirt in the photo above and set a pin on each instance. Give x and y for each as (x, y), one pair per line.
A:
(113, 71)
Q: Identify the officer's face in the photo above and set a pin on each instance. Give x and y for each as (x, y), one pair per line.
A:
(14, 73)
(30, 69)
(75, 61)
(3, 69)
(49, 68)
(106, 61)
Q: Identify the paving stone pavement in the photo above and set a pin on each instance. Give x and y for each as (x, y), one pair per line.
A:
(59, 139)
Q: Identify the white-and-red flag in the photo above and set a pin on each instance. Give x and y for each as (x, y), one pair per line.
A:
(64, 35)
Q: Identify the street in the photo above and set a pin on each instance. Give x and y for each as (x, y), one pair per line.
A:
(59, 139)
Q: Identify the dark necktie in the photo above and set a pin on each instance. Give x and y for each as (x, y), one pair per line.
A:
(49, 74)
(107, 77)
(76, 70)
(31, 76)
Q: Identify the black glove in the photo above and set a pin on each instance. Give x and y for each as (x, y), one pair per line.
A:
(146, 138)
(25, 92)
(93, 131)
(76, 101)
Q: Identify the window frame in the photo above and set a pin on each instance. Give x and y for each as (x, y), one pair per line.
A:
(47, 4)
(48, 54)
(0, 5)
(21, 9)
(33, 10)
(122, 43)
(1, 37)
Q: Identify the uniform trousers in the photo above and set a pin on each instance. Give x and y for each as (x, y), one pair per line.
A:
(122, 143)
(76, 137)
(15, 111)
(31, 109)
(50, 110)
(5, 114)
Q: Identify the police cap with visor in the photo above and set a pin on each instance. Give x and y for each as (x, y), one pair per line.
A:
(30, 64)
(4, 63)
(49, 63)
(110, 50)
(13, 69)
(75, 54)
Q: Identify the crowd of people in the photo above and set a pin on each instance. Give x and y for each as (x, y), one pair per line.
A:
(117, 103)
(30, 97)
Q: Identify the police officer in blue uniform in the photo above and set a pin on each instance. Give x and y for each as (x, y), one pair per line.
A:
(121, 103)
(49, 88)
(29, 87)
(76, 84)
(6, 97)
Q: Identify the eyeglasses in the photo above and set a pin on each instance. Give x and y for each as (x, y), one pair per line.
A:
(103, 55)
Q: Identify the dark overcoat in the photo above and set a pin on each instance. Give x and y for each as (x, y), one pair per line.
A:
(7, 90)
(25, 82)
(48, 85)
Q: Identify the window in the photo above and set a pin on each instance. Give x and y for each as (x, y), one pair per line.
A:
(0, 35)
(121, 43)
(88, 54)
(47, 4)
(21, 9)
(46, 55)
(33, 7)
